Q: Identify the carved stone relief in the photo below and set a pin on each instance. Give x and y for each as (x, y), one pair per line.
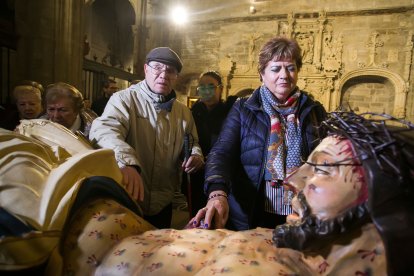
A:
(226, 66)
(376, 65)
(323, 73)
(321, 52)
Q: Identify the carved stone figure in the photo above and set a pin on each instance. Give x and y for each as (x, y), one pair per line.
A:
(307, 49)
(252, 49)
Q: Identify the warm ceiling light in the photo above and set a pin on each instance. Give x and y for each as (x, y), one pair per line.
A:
(179, 15)
(252, 10)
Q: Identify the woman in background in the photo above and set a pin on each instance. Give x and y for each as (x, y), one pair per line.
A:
(209, 113)
(28, 104)
(65, 105)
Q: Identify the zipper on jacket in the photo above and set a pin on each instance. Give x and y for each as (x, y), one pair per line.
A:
(261, 177)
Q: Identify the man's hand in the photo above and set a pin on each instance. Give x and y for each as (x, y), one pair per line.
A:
(133, 182)
(193, 164)
(214, 215)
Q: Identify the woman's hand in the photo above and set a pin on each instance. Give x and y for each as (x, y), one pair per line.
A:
(214, 215)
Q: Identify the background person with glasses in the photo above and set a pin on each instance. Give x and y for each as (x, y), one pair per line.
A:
(209, 113)
(145, 125)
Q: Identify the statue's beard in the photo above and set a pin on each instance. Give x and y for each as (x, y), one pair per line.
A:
(311, 231)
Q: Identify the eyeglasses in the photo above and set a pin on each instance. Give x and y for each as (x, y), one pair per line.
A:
(207, 87)
(157, 69)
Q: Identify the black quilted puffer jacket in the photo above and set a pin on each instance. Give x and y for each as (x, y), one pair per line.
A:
(237, 160)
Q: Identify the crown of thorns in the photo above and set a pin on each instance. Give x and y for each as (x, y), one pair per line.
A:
(373, 136)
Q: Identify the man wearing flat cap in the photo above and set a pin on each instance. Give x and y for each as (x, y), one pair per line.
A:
(145, 126)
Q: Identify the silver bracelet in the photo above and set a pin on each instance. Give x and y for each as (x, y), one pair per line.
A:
(216, 195)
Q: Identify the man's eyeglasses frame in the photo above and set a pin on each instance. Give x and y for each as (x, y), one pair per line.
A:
(158, 69)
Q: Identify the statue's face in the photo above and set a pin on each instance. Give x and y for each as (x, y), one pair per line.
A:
(331, 181)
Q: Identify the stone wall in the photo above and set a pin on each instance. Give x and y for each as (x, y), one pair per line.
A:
(354, 51)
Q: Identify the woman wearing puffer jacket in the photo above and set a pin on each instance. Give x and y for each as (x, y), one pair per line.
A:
(264, 138)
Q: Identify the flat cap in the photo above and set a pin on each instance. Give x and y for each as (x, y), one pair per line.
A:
(166, 56)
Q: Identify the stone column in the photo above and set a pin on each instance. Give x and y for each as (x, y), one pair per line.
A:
(50, 46)
(318, 40)
(68, 54)
(135, 52)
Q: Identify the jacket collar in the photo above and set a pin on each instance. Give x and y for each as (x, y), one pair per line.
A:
(254, 102)
(159, 101)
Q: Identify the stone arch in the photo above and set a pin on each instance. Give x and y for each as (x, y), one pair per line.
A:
(380, 75)
(109, 29)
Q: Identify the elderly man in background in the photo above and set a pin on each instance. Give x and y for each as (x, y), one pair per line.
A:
(108, 88)
(146, 126)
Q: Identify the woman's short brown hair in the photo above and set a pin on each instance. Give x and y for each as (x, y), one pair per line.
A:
(279, 48)
(60, 89)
